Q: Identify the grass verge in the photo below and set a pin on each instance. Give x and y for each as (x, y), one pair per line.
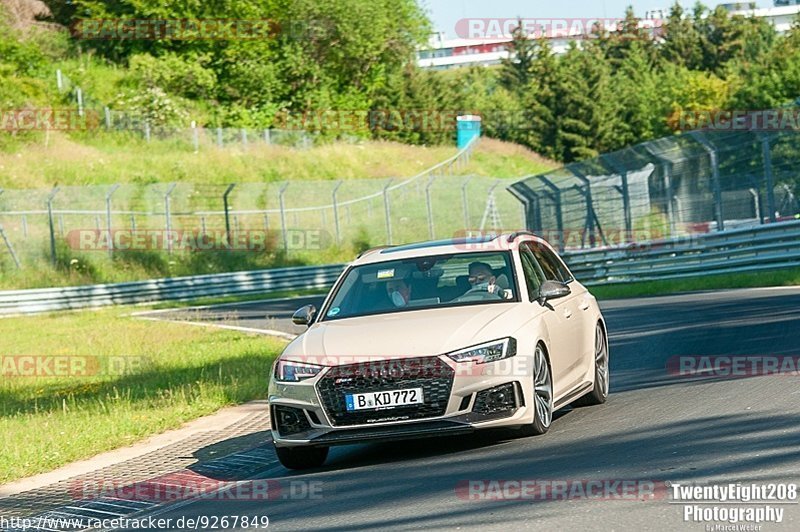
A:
(787, 277)
(121, 380)
(105, 160)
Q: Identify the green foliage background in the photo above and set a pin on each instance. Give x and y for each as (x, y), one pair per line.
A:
(606, 92)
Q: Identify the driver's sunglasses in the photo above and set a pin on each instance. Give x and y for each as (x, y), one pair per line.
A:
(475, 279)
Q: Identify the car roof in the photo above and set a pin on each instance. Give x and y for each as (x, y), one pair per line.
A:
(467, 244)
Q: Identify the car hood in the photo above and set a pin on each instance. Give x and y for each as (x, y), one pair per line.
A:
(402, 335)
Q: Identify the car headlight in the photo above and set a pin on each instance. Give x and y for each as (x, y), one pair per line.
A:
(288, 371)
(488, 352)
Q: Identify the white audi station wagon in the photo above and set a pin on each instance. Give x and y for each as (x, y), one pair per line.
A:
(439, 338)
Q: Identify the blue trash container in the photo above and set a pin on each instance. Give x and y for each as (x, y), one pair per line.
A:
(467, 127)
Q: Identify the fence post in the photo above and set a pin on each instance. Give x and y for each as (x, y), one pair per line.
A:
(8, 242)
(283, 216)
(167, 202)
(227, 212)
(555, 197)
(219, 137)
(756, 204)
(25, 226)
(712, 154)
(388, 211)
(429, 205)
(770, 184)
(79, 97)
(147, 131)
(10, 247)
(195, 137)
(465, 202)
(59, 80)
(267, 139)
(108, 220)
(244, 138)
(527, 208)
(107, 113)
(50, 199)
(670, 195)
(336, 212)
(133, 222)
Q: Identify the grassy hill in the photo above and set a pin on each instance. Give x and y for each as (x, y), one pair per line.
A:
(112, 158)
(74, 165)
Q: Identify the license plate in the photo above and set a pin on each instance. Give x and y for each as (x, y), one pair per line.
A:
(389, 399)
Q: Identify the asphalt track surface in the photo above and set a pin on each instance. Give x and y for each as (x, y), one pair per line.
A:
(655, 427)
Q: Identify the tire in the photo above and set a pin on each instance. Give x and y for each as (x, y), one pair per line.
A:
(301, 457)
(602, 374)
(542, 395)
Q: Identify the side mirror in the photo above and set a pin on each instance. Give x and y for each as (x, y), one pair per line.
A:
(552, 290)
(304, 315)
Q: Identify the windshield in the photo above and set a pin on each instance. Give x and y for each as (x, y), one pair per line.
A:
(424, 283)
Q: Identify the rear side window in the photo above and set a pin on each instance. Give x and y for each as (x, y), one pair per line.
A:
(552, 267)
(534, 276)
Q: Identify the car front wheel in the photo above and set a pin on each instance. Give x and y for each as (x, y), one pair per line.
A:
(602, 373)
(301, 457)
(542, 395)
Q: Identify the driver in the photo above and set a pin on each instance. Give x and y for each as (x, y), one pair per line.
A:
(399, 291)
(482, 279)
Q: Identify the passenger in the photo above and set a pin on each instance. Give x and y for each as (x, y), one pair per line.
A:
(399, 292)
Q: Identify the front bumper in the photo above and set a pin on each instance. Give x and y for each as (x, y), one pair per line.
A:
(477, 397)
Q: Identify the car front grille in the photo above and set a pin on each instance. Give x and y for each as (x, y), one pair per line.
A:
(431, 374)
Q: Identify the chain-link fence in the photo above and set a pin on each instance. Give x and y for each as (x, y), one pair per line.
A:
(698, 182)
(97, 115)
(291, 216)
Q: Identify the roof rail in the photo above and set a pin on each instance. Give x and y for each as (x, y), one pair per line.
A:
(370, 250)
(518, 234)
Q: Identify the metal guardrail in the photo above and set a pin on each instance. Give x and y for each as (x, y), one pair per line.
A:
(767, 247)
(762, 248)
(175, 289)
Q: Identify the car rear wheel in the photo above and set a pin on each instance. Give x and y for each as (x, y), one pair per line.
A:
(602, 373)
(302, 457)
(542, 395)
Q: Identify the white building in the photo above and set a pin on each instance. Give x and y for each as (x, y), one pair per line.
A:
(490, 46)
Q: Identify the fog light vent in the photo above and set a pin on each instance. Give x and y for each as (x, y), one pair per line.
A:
(499, 399)
(289, 420)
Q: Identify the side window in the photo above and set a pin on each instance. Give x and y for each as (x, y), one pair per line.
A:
(534, 277)
(563, 271)
(554, 269)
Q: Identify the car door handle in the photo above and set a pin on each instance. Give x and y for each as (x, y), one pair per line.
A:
(585, 305)
(567, 313)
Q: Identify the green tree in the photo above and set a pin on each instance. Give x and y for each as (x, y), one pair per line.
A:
(641, 116)
(587, 112)
(516, 69)
(541, 101)
(682, 43)
(616, 45)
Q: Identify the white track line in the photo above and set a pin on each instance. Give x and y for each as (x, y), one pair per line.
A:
(219, 305)
(267, 332)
